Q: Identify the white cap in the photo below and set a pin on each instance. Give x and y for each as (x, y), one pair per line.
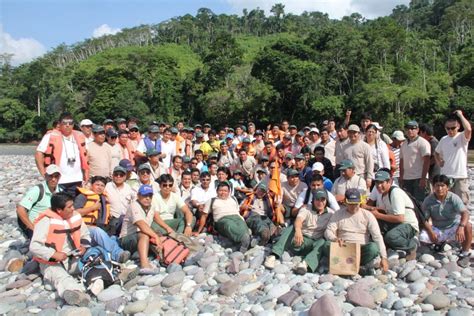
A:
(317, 166)
(314, 129)
(52, 169)
(377, 125)
(398, 135)
(86, 122)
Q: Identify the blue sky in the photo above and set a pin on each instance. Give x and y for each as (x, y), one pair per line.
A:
(29, 28)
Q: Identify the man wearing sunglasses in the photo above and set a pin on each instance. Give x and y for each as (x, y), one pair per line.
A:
(37, 199)
(65, 148)
(451, 154)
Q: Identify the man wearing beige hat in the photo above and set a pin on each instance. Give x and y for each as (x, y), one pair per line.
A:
(397, 140)
(86, 128)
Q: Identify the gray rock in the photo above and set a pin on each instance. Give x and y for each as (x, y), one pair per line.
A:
(435, 264)
(228, 288)
(325, 305)
(407, 268)
(414, 275)
(110, 293)
(427, 307)
(18, 284)
(281, 269)
(379, 294)
(362, 311)
(222, 278)
(135, 307)
(325, 286)
(440, 273)
(359, 295)
(205, 262)
(278, 290)
(452, 266)
(416, 288)
(288, 298)
(174, 267)
(234, 266)
(426, 258)
(257, 261)
(173, 279)
(459, 312)
(75, 311)
(398, 305)
(438, 300)
(248, 288)
(199, 277)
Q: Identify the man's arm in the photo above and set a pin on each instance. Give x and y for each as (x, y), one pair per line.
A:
(157, 219)
(188, 216)
(298, 239)
(331, 229)
(465, 124)
(23, 216)
(39, 159)
(424, 172)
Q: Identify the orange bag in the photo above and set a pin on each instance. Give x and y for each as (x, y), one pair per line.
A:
(173, 251)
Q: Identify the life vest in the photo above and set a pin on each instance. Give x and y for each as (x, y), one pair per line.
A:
(59, 230)
(150, 145)
(131, 151)
(98, 217)
(55, 148)
(267, 202)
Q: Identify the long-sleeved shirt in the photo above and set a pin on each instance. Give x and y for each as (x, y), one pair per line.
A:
(361, 155)
(355, 228)
(40, 234)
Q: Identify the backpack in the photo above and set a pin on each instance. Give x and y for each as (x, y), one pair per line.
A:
(420, 216)
(96, 263)
(40, 196)
(172, 251)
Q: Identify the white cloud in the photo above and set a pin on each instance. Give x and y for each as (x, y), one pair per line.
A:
(23, 49)
(335, 8)
(104, 29)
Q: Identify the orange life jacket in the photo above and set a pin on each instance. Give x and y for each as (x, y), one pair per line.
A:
(97, 217)
(55, 148)
(249, 202)
(59, 229)
(131, 151)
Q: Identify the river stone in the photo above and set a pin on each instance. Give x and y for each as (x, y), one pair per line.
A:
(141, 295)
(452, 267)
(278, 290)
(407, 268)
(75, 311)
(250, 287)
(228, 288)
(459, 312)
(205, 262)
(438, 300)
(440, 273)
(426, 258)
(173, 279)
(154, 280)
(234, 266)
(135, 307)
(379, 294)
(325, 286)
(18, 284)
(281, 269)
(288, 298)
(361, 311)
(199, 277)
(358, 295)
(257, 261)
(416, 287)
(110, 293)
(174, 267)
(427, 307)
(222, 278)
(414, 275)
(325, 305)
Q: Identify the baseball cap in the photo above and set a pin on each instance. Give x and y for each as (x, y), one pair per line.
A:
(312, 124)
(145, 189)
(353, 128)
(52, 169)
(186, 159)
(262, 186)
(162, 124)
(198, 126)
(212, 155)
(289, 156)
(300, 133)
(353, 196)
(120, 120)
(292, 172)
(108, 121)
(382, 176)
(398, 135)
(346, 164)
(412, 124)
(174, 130)
(261, 170)
(152, 152)
(318, 194)
(199, 134)
(86, 122)
(120, 169)
(154, 129)
(111, 132)
(246, 140)
(293, 126)
(229, 136)
(299, 156)
(125, 163)
(144, 167)
(133, 126)
(287, 136)
(258, 132)
(98, 129)
(377, 126)
(314, 130)
(317, 166)
(306, 128)
(237, 171)
(264, 158)
(207, 125)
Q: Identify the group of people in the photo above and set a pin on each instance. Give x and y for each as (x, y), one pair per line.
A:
(120, 187)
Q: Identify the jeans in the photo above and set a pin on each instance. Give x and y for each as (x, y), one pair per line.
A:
(100, 238)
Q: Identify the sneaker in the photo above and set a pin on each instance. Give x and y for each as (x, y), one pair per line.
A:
(128, 274)
(301, 268)
(411, 255)
(270, 262)
(149, 271)
(76, 298)
(265, 237)
(124, 256)
(464, 262)
(245, 243)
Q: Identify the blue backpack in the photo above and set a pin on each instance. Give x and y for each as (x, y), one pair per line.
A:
(96, 263)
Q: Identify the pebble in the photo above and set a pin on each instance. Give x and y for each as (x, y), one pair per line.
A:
(135, 307)
(325, 305)
(248, 288)
(359, 295)
(229, 288)
(459, 312)
(75, 311)
(173, 278)
(438, 300)
(426, 258)
(363, 311)
(414, 275)
(288, 298)
(278, 290)
(110, 293)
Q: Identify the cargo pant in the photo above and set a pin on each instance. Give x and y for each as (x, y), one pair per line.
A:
(398, 236)
(61, 277)
(232, 227)
(258, 224)
(413, 187)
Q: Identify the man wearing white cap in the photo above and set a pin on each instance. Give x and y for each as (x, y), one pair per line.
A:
(86, 128)
(37, 199)
(397, 139)
(318, 168)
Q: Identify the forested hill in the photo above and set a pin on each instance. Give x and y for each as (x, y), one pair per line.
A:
(416, 63)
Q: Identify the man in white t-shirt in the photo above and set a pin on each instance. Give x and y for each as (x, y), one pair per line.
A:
(451, 154)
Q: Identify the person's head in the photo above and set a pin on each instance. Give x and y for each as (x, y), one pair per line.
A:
(353, 133)
(207, 128)
(293, 177)
(347, 168)
(144, 173)
(426, 131)
(222, 134)
(132, 121)
(99, 134)
(280, 149)
(331, 124)
(134, 131)
(63, 204)
(186, 179)
(224, 148)
(198, 154)
(108, 123)
(98, 184)
(166, 182)
(319, 152)
(242, 155)
(193, 163)
(111, 136)
(317, 182)
(285, 125)
(223, 173)
(275, 130)
(251, 128)
(319, 199)
(66, 124)
(451, 126)
(353, 200)
(213, 168)
(440, 185)
(223, 190)
(166, 134)
(341, 130)
(325, 135)
(268, 146)
(383, 181)
(205, 179)
(272, 165)
(261, 173)
(238, 130)
(52, 175)
(212, 135)
(162, 126)
(145, 195)
(366, 120)
(371, 132)
(314, 134)
(177, 162)
(293, 130)
(411, 129)
(123, 137)
(261, 190)
(86, 127)
(153, 156)
(119, 175)
(237, 174)
(318, 168)
(300, 161)
(153, 132)
(397, 138)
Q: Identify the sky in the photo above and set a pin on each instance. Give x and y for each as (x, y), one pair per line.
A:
(30, 28)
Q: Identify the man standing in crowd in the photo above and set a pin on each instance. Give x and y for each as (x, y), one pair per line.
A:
(451, 154)
(99, 154)
(414, 163)
(426, 132)
(86, 128)
(65, 148)
(397, 140)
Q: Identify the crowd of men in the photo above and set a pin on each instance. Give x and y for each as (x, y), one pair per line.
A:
(122, 185)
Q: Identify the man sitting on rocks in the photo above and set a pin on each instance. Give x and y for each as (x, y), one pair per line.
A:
(306, 238)
(291, 189)
(347, 180)
(37, 199)
(449, 218)
(353, 224)
(259, 211)
(136, 231)
(59, 239)
(226, 217)
(396, 216)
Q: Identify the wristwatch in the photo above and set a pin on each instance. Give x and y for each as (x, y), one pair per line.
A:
(188, 224)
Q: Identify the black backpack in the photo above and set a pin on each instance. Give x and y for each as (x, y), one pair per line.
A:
(96, 263)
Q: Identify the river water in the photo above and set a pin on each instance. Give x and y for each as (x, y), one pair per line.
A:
(15, 149)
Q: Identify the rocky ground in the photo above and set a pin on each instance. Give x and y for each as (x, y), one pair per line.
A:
(219, 281)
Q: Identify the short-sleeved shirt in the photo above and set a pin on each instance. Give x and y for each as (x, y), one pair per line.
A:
(119, 198)
(222, 207)
(412, 153)
(290, 194)
(453, 150)
(443, 214)
(398, 203)
(134, 214)
(342, 184)
(332, 202)
(201, 195)
(314, 224)
(30, 198)
(167, 207)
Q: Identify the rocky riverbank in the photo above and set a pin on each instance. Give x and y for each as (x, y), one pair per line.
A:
(220, 281)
